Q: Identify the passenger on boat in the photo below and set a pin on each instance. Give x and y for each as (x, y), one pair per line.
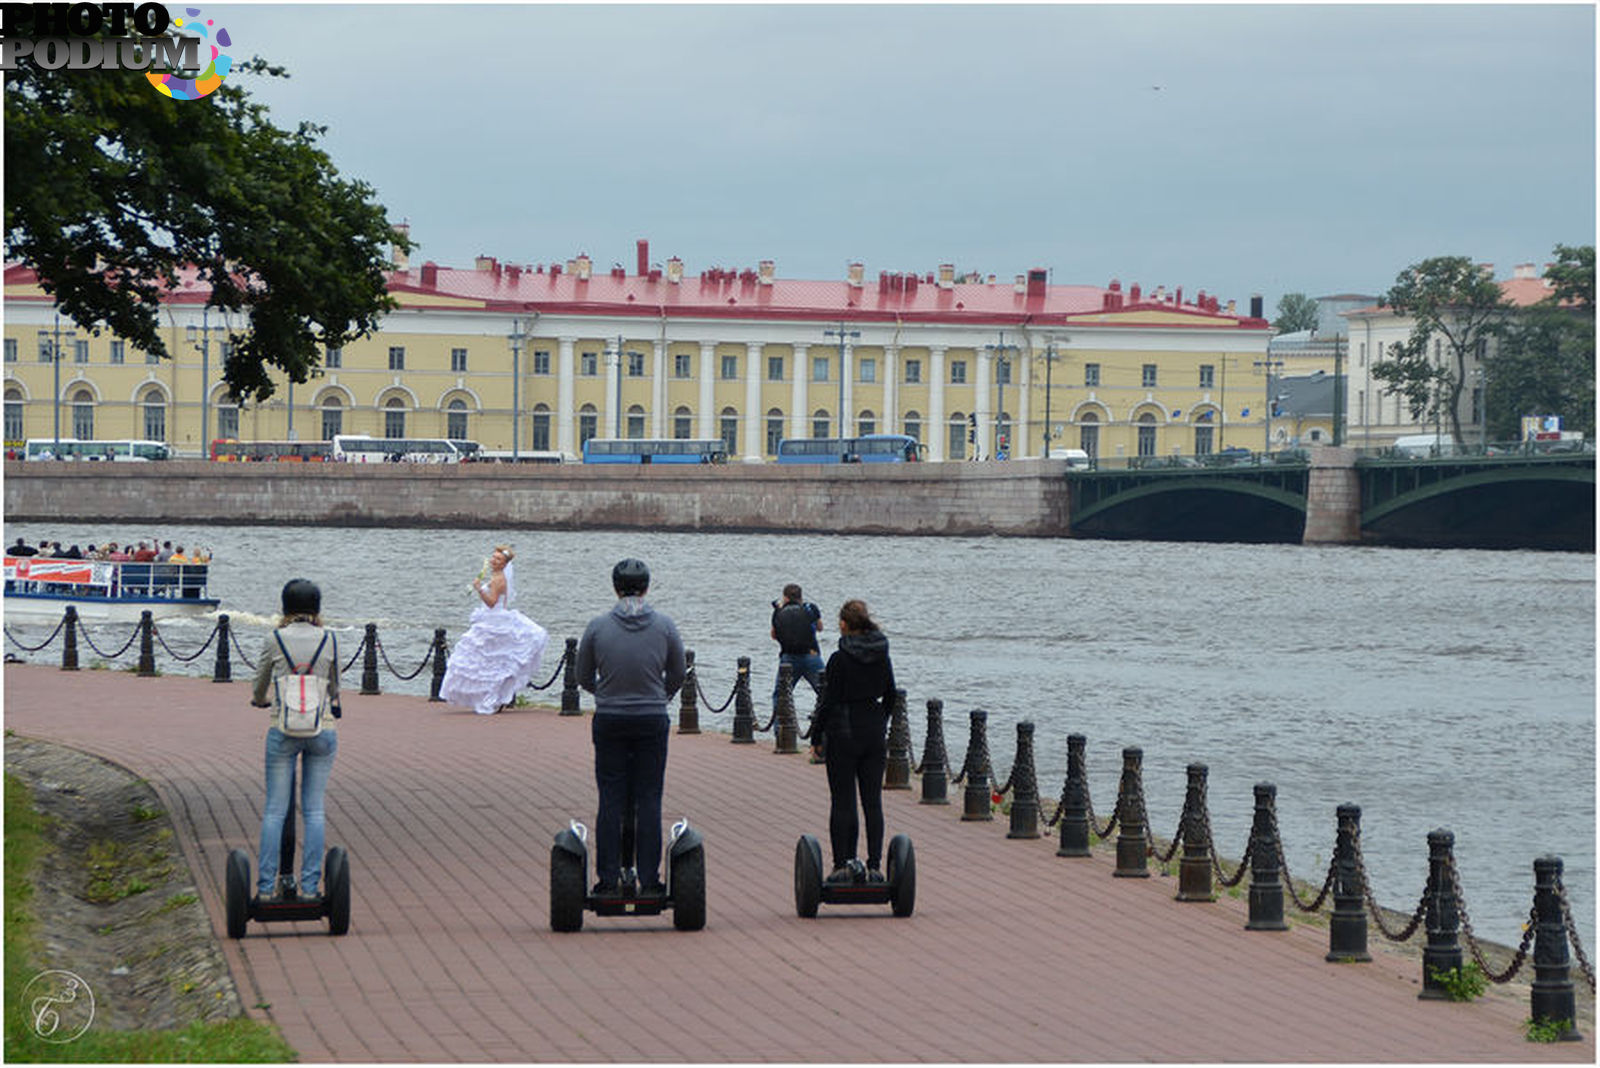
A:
(21, 548)
(500, 652)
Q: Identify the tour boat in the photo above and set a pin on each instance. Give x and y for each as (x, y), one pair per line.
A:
(38, 589)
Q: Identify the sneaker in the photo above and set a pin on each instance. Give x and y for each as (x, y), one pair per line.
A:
(653, 890)
(268, 897)
(840, 875)
(875, 875)
(606, 889)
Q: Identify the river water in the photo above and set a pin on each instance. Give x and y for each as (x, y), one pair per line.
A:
(1434, 688)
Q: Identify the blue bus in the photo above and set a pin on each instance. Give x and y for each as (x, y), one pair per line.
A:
(655, 451)
(867, 449)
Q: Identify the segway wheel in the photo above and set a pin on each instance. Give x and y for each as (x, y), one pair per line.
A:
(902, 875)
(236, 877)
(689, 890)
(807, 876)
(336, 880)
(566, 890)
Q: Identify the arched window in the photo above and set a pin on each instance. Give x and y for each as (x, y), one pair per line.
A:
(682, 423)
(541, 428)
(394, 418)
(1205, 433)
(155, 414)
(819, 423)
(958, 437)
(728, 425)
(332, 417)
(774, 430)
(227, 416)
(866, 423)
(588, 423)
(1089, 434)
(455, 420)
(913, 425)
(1147, 434)
(635, 421)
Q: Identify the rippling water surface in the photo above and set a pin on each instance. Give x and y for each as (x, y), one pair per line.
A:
(1433, 688)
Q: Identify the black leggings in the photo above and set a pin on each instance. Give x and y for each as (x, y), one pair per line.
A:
(856, 759)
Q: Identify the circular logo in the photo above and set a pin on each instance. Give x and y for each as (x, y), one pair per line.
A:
(60, 1005)
(208, 81)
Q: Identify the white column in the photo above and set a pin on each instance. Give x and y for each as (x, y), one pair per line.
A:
(708, 415)
(754, 419)
(658, 391)
(981, 404)
(847, 414)
(798, 415)
(613, 423)
(889, 421)
(938, 419)
(566, 418)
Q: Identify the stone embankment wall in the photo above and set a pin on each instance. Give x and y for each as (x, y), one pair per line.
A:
(1023, 498)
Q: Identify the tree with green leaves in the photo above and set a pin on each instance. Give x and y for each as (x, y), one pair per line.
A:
(1545, 363)
(113, 190)
(1456, 307)
(1296, 312)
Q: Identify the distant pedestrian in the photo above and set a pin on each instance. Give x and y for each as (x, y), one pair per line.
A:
(795, 623)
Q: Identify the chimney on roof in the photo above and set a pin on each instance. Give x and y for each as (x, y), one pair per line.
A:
(1523, 270)
(947, 275)
(1134, 294)
(1231, 307)
(513, 272)
(1021, 284)
(644, 257)
(1160, 294)
(484, 263)
(1036, 281)
(674, 270)
(430, 274)
(396, 252)
(857, 275)
(768, 270)
(1255, 305)
(582, 267)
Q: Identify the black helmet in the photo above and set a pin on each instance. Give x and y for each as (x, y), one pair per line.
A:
(630, 578)
(301, 598)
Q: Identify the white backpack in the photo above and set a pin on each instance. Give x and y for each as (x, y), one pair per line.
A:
(302, 697)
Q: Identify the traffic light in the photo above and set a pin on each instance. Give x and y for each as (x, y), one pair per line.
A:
(972, 429)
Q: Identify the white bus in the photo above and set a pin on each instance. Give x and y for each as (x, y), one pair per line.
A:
(122, 451)
(362, 449)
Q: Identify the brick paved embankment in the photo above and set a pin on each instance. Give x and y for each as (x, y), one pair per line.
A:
(1013, 954)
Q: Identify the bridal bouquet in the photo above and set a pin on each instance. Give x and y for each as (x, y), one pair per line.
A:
(482, 571)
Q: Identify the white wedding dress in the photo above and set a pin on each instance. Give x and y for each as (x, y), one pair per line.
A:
(497, 656)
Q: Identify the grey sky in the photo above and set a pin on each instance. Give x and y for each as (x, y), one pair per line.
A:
(1289, 148)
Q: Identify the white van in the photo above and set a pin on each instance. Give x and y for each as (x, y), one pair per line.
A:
(1424, 446)
(1074, 457)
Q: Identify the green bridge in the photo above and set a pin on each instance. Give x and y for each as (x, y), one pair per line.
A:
(1502, 500)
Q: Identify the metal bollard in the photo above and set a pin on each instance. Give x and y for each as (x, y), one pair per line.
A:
(69, 647)
(976, 770)
(1347, 926)
(1075, 802)
(897, 771)
(1194, 868)
(1266, 888)
(1442, 953)
(369, 662)
(785, 729)
(1553, 998)
(440, 655)
(1133, 844)
(1024, 787)
(935, 762)
(569, 679)
(223, 672)
(689, 698)
(744, 714)
(147, 646)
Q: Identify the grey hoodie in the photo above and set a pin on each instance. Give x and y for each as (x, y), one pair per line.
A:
(631, 659)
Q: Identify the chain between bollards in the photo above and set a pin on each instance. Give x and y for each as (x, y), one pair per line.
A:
(689, 698)
(897, 771)
(935, 766)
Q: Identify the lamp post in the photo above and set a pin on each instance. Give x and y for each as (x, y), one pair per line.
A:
(1049, 362)
(204, 332)
(841, 334)
(517, 337)
(53, 339)
(1002, 353)
(1266, 413)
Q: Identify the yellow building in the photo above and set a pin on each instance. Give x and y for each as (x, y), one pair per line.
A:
(542, 357)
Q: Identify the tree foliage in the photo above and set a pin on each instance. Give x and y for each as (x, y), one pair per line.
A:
(1296, 312)
(113, 189)
(1455, 303)
(1545, 364)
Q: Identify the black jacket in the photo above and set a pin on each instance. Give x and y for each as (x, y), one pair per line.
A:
(857, 688)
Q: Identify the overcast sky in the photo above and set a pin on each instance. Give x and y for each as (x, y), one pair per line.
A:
(1235, 149)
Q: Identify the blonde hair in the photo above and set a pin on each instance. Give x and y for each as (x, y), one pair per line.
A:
(505, 550)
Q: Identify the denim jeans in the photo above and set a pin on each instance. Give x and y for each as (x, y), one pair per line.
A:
(806, 666)
(630, 765)
(281, 753)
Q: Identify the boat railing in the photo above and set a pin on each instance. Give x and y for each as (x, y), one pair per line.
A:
(105, 578)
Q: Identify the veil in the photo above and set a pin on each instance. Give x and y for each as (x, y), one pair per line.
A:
(511, 582)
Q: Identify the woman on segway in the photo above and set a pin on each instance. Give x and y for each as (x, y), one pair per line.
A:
(849, 731)
(299, 635)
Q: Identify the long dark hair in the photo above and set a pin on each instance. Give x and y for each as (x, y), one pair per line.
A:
(854, 615)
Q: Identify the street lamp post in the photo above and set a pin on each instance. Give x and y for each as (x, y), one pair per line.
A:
(204, 332)
(841, 334)
(617, 354)
(53, 339)
(1266, 413)
(517, 337)
(1002, 353)
(1049, 363)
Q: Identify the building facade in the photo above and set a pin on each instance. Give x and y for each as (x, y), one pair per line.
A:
(542, 357)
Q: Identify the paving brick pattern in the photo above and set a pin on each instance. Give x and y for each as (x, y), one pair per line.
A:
(1013, 954)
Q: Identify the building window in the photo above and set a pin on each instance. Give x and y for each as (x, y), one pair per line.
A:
(332, 419)
(541, 361)
(458, 360)
(13, 409)
(958, 372)
(913, 371)
(1208, 376)
(80, 352)
(683, 365)
(1147, 376)
(866, 423)
(774, 430)
(541, 424)
(1147, 435)
(227, 418)
(729, 423)
(1091, 374)
(957, 441)
(1204, 440)
(44, 348)
(774, 368)
(394, 418)
(332, 359)
(455, 419)
(730, 367)
(635, 421)
(913, 426)
(819, 369)
(11, 350)
(589, 364)
(1089, 435)
(588, 424)
(869, 369)
(397, 362)
(119, 351)
(83, 415)
(682, 424)
(819, 424)
(635, 365)
(155, 416)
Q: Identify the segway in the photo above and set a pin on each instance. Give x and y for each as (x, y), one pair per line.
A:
(898, 889)
(243, 905)
(684, 893)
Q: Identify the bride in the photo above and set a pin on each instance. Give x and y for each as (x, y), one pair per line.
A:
(499, 654)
